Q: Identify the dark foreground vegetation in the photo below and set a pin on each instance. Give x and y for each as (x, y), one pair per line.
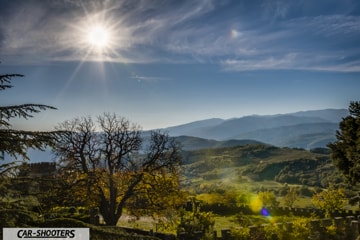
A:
(251, 191)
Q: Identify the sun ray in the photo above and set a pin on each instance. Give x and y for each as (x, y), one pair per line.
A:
(96, 36)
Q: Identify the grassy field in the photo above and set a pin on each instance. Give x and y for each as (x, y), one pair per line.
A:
(216, 175)
(228, 221)
(145, 223)
(221, 222)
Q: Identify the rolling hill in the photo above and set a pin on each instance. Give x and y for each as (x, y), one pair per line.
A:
(194, 143)
(306, 129)
(259, 162)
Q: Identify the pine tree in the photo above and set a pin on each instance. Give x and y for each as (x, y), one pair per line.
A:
(345, 152)
(16, 142)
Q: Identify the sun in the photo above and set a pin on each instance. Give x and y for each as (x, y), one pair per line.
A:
(98, 37)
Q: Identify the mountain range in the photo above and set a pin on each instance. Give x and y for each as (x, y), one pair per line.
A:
(305, 129)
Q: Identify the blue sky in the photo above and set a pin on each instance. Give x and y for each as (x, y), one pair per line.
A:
(171, 62)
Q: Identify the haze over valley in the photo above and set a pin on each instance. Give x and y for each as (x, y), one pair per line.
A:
(306, 129)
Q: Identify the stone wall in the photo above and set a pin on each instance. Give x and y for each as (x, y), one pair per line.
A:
(278, 211)
(345, 228)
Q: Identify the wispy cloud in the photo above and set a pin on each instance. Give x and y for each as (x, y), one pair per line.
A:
(321, 43)
(329, 25)
(148, 79)
(138, 28)
(262, 35)
(293, 61)
(26, 34)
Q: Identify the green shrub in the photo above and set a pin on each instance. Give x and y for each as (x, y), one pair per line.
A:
(243, 220)
(195, 221)
(300, 229)
(329, 200)
(297, 230)
(17, 218)
(64, 222)
(240, 233)
(268, 199)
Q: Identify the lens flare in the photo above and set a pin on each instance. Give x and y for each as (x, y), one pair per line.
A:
(265, 212)
(256, 204)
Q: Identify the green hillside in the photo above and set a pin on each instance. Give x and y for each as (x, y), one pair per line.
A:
(190, 143)
(258, 163)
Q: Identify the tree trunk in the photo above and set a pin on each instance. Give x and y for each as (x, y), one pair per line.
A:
(107, 211)
(109, 216)
(111, 220)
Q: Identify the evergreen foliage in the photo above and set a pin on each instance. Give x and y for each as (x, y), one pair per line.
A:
(16, 142)
(16, 205)
(345, 152)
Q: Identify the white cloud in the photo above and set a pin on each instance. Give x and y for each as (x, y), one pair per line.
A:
(33, 30)
(292, 61)
(25, 31)
(265, 63)
(329, 25)
(159, 31)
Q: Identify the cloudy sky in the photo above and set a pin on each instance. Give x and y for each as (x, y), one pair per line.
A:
(167, 62)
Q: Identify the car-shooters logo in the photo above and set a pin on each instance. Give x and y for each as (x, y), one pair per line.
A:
(46, 233)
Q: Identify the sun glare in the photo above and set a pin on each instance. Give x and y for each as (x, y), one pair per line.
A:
(98, 36)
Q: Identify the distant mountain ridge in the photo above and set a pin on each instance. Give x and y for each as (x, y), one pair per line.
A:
(194, 143)
(305, 129)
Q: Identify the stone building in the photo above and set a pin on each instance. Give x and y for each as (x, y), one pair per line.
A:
(42, 169)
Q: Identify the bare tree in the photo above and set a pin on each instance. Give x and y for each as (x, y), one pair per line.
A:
(113, 162)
